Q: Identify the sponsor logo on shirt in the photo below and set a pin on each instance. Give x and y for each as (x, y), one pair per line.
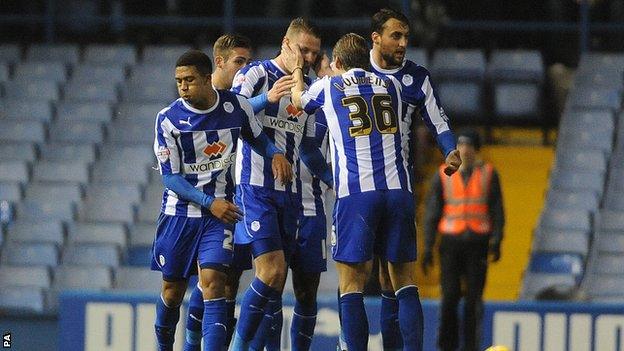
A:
(293, 113)
(285, 125)
(215, 149)
(210, 166)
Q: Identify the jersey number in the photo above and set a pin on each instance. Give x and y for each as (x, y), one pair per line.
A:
(383, 114)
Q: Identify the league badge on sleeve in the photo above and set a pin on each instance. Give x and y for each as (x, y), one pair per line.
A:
(163, 154)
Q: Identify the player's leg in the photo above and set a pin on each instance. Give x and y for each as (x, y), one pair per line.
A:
(308, 262)
(400, 251)
(352, 278)
(476, 271)
(389, 313)
(195, 313)
(174, 253)
(231, 290)
(451, 268)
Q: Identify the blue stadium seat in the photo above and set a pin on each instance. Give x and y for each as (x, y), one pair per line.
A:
(594, 119)
(89, 91)
(582, 200)
(22, 110)
(129, 155)
(264, 52)
(610, 220)
(65, 53)
(79, 277)
(163, 54)
(91, 255)
(33, 254)
(417, 55)
(209, 48)
(534, 283)
(458, 65)
(516, 66)
(38, 210)
(24, 131)
(129, 132)
(39, 90)
(51, 71)
(591, 97)
(142, 234)
(122, 192)
(4, 72)
(31, 276)
(81, 153)
(566, 219)
(461, 100)
(99, 73)
(109, 171)
(575, 180)
(611, 63)
(610, 242)
(97, 233)
(99, 112)
(110, 203)
(61, 171)
(154, 73)
(110, 54)
(587, 160)
(10, 191)
(148, 92)
(53, 192)
(18, 151)
(140, 256)
(571, 140)
(76, 132)
(13, 171)
(22, 299)
(598, 79)
(517, 101)
(560, 263)
(561, 240)
(149, 208)
(138, 279)
(603, 285)
(10, 53)
(614, 201)
(607, 263)
(47, 232)
(138, 111)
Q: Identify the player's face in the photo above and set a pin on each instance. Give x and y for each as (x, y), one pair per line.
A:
(192, 86)
(393, 41)
(238, 58)
(468, 153)
(310, 49)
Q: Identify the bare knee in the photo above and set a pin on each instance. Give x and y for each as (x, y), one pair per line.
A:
(212, 283)
(231, 283)
(173, 292)
(271, 269)
(401, 274)
(384, 276)
(353, 276)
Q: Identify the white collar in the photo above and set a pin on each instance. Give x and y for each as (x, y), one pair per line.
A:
(201, 112)
(385, 71)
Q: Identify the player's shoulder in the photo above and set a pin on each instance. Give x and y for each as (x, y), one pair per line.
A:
(253, 67)
(414, 69)
(169, 110)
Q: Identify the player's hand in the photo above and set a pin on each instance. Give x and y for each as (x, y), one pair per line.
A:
(322, 67)
(225, 211)
(291, 54)
(453, 161)
(282, 169)
(280, 88)
(495, 252)
(427, 261)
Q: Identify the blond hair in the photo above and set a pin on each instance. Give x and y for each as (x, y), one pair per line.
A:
(301, 25)
(225, 43)
(352, 51)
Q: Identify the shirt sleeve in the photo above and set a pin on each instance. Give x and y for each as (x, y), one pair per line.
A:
(251, 126)
(313, 98)
(165, 146)
(249, 80)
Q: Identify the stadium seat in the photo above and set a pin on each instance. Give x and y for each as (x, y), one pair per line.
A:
(99, 73)
(606, 285)
(76, 132)
(110, 203)
(4, 73)
(47, 232)
(51, 71)
(561, 241)
(572, 140)
(61, 172)
(148, 92)
(614, 201)
(587, 160)
(10, 191)
(21, 299)
(581, 200)
(89, 91)
(13, 171)
(64, 53)
(607, 263)
(601, 61)
(81, 153)
(138, 111)
(461, 100)
(610, 220)
(598, 79)
(458, 65)
(591, 97)
(516, 65)
(151, 204)
(128, 133)
(164, 54)
(79, 277)
(610, 242)
(91, 255)
(52, 192)
(140, 256)
(594, 119)
(559, 263)
(39, 90)
(98, 112)
(109, 171)
(19, 110)
(130, 156)
(31, 276)
(33, 254)
(142, 234)
(122, 192)
(18, 151)
(517, 101)
(153, 73)
(417, 55)
(38, 210)
(97, 233)
(31, 131)
(138, 279)
(110, 54)
(534, 283)
(10, 53)
(566, 219)
(265, 52)
(576, 180)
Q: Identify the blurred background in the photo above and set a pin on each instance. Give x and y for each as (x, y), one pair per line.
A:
(82, 80)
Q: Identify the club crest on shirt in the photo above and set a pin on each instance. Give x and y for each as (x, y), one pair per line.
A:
(407, 79)
(228, 107)
(163, 154)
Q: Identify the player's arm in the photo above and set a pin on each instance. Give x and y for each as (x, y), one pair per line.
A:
(251, 132)
(278, 90)
(311, 155)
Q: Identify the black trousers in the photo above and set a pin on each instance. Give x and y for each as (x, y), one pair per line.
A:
(462, 258)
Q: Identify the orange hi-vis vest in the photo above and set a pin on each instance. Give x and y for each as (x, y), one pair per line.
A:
(465, 205)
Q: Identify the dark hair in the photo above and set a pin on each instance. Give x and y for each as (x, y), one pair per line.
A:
(469, 136)
(382, 16)
(198, 59)
(227, 42)
(352, 51)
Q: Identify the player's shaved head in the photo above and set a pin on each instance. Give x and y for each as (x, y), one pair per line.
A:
(198, 59)
(301, 25)
(352, 51)
(224, 45)
(382, 16)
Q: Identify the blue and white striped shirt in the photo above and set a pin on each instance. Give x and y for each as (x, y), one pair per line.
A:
(312, 188)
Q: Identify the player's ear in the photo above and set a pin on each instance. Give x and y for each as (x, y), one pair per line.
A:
(375, 37)
(218, 60)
